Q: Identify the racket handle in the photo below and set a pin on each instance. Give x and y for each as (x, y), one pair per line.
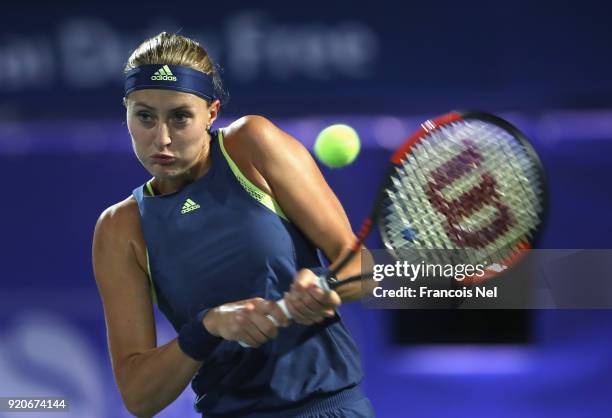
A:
(322, 283)
(283, 306)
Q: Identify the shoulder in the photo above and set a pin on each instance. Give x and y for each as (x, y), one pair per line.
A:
(118, 231)
(261, 139)
(120, 219)
(251, 126)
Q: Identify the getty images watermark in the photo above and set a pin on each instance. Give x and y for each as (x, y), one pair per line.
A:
(447, 279)
(414, 271)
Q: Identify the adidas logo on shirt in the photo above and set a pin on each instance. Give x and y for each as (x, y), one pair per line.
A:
(189, 205)
(163, 73)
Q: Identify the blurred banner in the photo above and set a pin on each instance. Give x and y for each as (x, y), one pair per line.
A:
(329, 57)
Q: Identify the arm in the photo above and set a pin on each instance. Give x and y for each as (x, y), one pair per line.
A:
(149, 377)
(293, 178)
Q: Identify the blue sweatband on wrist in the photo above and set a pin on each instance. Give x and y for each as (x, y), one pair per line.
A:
(195, 340)
(170, 77)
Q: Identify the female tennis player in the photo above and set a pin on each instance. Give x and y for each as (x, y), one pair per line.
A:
(230, 222)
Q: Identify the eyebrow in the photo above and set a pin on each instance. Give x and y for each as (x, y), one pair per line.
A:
(186, 107)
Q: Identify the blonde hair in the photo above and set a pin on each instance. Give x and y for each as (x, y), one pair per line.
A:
(175, 49)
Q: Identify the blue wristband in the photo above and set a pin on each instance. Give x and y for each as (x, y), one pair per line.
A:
(195, 340)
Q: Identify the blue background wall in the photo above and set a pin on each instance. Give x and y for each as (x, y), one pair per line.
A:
(65, 155)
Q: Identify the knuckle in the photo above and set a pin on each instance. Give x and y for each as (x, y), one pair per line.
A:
(310, 305)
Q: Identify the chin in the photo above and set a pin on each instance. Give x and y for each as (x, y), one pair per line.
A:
(168, 174)
(165, 172)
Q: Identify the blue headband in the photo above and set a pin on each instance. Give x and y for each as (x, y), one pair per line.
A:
(170, 77)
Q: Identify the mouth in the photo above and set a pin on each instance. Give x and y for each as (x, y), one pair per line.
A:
(162, 159)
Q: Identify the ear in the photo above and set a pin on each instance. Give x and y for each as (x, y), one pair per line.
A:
(125, 102)
(213, 111)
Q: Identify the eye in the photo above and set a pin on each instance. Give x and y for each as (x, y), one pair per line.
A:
(145, 117)
(181, 117)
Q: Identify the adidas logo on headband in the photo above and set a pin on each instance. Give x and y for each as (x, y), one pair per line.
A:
(163, 73)
(159, 76)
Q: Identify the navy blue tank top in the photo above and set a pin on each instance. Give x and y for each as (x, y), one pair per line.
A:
(221, 239)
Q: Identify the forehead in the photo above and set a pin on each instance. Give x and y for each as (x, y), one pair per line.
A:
(165, 99)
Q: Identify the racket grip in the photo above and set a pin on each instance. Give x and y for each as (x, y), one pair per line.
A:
(283, 306)
(322, 283)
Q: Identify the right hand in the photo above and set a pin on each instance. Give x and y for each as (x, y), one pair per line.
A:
(246, 321)
(307, 302)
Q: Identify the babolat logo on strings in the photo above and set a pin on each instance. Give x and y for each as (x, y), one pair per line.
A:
(163, 73)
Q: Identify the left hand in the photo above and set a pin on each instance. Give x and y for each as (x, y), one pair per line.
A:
(307, 302)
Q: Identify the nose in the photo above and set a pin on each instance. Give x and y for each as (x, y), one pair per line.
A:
(162, 136)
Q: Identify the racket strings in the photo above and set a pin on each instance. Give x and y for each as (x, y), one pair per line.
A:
(443, 168)
(520, 184)
(414, 208)
(406, 218)
(506, 157)
(502, 154)
(454, 189)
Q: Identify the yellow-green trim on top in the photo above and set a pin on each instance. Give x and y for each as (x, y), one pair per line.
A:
(149, 188)
(148, 191)
(255, 192)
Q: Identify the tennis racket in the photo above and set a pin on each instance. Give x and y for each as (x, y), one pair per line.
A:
(464, 183)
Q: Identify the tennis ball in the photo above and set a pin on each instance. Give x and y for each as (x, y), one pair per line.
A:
(337, 145)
